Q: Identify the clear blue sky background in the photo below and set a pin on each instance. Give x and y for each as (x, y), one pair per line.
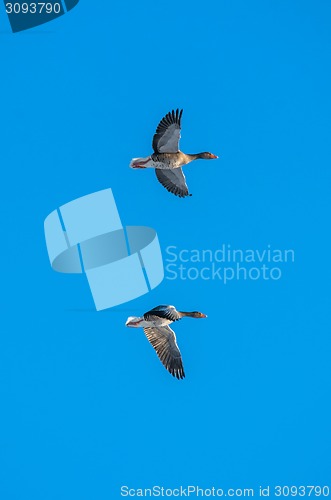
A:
(85, 404)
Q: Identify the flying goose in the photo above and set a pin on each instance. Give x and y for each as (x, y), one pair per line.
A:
(167, 159)
(156, 327)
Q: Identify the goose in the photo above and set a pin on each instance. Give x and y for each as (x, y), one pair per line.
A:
(167, 159)
(156, 328)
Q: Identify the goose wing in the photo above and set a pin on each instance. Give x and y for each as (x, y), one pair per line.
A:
(173, 180)
(166, 138)
(163, 339)
(165, 312)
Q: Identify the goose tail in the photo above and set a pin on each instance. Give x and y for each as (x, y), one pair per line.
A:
(141, 162)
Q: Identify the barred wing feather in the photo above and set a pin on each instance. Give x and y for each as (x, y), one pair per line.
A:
(165, 312)
(163, 339)
(173, 180)
(166, 138)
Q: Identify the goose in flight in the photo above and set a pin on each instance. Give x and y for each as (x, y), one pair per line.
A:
(167, 159)
(156, 327)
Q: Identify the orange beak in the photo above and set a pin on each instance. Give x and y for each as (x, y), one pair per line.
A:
(214, 157)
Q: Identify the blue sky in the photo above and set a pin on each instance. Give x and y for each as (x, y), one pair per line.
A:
(86, 405)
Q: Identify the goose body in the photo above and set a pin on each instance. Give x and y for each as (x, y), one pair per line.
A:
(156, 328)
(167, 159)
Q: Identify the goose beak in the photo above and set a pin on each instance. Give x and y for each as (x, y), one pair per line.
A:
(203, 315)
(214, 157)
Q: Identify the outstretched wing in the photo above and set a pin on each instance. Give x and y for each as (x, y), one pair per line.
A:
(165, 312)
(163, 339)
(173, 180)
(166, 138)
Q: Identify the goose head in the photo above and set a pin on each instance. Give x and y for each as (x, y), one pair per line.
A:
(197, 314)
(207, 156)
(194, 314)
